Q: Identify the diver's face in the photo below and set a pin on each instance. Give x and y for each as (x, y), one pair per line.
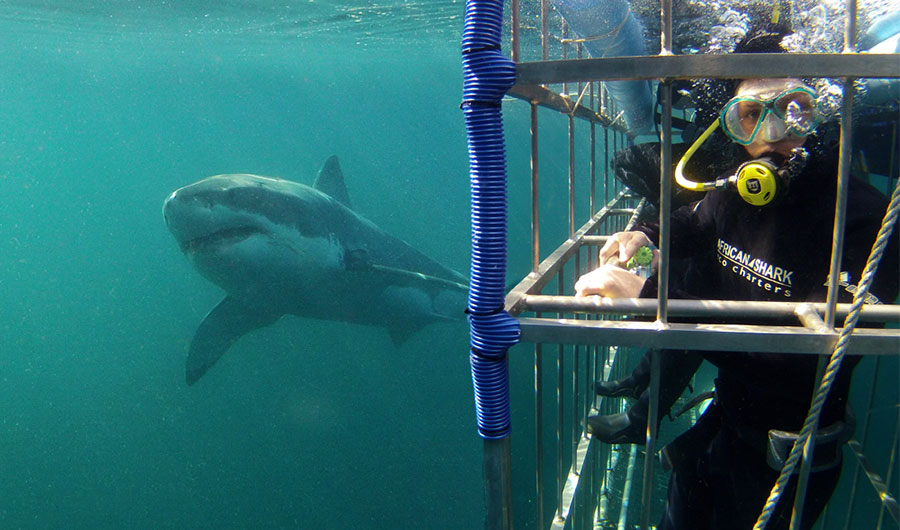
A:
(767, 89)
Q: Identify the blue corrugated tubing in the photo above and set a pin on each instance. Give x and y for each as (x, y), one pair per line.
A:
(487, 77)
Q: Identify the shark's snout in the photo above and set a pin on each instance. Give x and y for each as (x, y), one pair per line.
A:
(168, 205)
(181, 215)
(207, 215)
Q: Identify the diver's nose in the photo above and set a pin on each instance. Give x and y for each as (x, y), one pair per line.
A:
(773, 129)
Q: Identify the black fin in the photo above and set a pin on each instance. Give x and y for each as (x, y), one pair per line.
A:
(331, 181)
(226, 323)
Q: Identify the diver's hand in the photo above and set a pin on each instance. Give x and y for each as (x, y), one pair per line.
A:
(610, 281)
(621, 246)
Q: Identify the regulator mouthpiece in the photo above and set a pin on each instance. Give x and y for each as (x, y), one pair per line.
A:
(757, 181)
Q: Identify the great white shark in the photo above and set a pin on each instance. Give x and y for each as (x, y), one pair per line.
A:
(279, 247)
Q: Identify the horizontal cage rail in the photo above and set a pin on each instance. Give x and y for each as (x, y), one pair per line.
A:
(726, 337)
(727, 309)
(708, 66)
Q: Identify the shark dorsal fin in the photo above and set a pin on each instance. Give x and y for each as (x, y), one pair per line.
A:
(331, 181)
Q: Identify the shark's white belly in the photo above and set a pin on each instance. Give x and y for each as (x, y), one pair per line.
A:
(309, 278)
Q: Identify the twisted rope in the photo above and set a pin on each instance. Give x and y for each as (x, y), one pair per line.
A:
(834, 364)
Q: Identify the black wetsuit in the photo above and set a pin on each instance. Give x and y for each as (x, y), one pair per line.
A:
(776, 253)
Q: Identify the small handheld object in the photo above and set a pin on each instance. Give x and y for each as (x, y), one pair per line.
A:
(641, 258)
(639, 263)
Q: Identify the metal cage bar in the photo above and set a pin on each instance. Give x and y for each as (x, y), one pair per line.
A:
(744, 66)
(840, 216)
(586, 479)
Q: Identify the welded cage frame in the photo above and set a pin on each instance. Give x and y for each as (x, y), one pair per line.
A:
(584, 324)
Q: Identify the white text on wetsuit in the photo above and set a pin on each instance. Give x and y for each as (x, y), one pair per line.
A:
(756, 271)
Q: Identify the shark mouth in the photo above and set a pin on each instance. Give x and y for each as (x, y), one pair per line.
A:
(220, 237)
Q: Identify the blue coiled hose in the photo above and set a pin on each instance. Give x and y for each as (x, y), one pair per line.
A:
(487, 77)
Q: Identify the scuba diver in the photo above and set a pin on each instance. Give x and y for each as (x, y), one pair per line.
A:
(762, 232)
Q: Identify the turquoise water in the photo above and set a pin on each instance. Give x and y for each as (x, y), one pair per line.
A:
(105, 109)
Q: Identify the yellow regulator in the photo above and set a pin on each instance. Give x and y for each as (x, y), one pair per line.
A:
(757, 182)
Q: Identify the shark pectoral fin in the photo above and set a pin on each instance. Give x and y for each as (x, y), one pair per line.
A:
(226, 323)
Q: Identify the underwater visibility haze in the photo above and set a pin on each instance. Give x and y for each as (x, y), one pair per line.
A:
(108, 107)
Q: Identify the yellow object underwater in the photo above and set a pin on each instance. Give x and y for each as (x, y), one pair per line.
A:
(756, 181)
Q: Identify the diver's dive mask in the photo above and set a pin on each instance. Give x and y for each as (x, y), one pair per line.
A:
(759, 182)
(792, 112)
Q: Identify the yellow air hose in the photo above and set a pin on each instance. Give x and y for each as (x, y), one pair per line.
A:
(679, 169)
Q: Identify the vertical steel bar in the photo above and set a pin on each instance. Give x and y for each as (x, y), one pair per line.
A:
(806, 463)
(588, 366)
(560, 412)
(887, 479)
(578, 52)
(571, 176)
(665, 171)
(651, 434)
(665, 187)
(539, 429)
(864, 429)
(576, 373)
(545, 34)
(565, 53)
(615, 183)
(593, 164)
(665, 33)
(665, 175)
(626, 491)
(514, 30)
(601, 97)
(605, 458)
(588, 390)
(605, 165)
(590, 377)
(618, 143)
(596, 455)
(610, 462)
(498, 493)
(535, 210)
(840, 212)
(582, 407)
(538, 352)
(849, 26)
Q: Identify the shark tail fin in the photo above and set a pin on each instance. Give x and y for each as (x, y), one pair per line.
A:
(225, 324)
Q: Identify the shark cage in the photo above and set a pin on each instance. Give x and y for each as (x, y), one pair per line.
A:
(583, 64)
